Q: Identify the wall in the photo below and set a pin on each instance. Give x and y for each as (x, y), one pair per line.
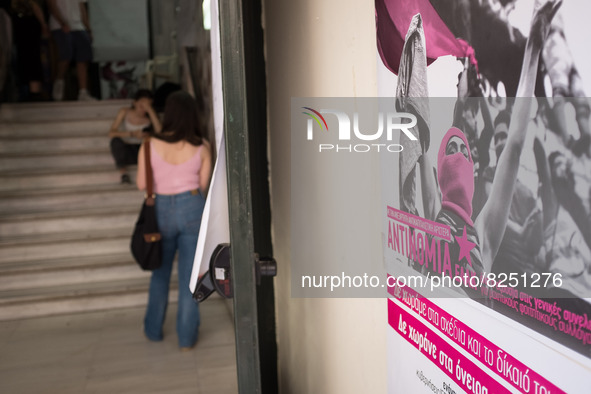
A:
(322, 49)
(163, 16)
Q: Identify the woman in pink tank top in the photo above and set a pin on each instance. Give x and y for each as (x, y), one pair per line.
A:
(181, 163)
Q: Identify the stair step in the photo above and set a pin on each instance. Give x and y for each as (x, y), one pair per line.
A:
(56, 237)
(20, 224)
(82, 244)
(54, 145)
(56, 128)
(67, 110)
(65, 159)
(43, 178)
(63, 264)
(78, 271)
(37, 294)
(51, 278)
(79, 298)
(62, 199)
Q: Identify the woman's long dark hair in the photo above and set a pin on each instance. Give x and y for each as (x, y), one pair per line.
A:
(181, 120)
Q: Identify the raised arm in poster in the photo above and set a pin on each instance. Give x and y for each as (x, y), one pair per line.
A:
(410, 92)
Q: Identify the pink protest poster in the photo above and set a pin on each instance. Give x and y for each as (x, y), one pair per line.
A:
(487, 211)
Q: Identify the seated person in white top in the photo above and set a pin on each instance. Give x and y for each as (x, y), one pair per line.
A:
(127, 131)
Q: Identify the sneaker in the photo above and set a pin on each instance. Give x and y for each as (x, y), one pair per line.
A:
(125, 179)
(58, 90)
(83, 95)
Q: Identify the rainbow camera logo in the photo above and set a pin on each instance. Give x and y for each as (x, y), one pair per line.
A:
(315, 115)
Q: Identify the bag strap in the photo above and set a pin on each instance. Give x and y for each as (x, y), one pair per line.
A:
(149, 176)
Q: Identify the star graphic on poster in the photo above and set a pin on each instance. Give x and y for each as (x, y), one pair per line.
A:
(465, 247)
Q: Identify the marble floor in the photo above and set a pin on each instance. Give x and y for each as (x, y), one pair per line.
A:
(106, 352)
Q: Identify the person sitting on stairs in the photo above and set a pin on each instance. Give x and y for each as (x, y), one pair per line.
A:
(127, 131)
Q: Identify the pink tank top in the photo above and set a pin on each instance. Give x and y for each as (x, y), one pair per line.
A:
(175, 178)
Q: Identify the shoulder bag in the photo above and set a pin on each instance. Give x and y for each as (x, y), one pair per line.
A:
(146, 241)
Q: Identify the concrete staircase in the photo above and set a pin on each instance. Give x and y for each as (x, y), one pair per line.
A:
(65, 221)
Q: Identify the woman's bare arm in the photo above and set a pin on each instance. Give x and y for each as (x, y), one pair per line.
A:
(140, 180)
(492, 221)
(114, 131)
(206, 166)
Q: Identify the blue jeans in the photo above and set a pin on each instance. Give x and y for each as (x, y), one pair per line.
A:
(179, 219)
